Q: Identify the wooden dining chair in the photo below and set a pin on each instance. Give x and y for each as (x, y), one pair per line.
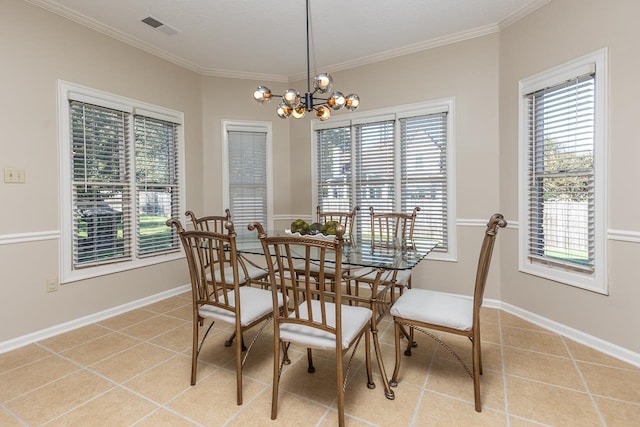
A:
(346, 218)
(390, 230)
(218, 294)
(424, 310)
(215, 223)
(315, 317)
(250, 273)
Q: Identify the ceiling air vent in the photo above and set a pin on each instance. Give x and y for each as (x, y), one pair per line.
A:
(160, 26)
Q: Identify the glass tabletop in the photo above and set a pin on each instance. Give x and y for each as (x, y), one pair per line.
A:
(363, 254)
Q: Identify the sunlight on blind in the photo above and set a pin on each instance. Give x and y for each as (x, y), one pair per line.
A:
(561, 122)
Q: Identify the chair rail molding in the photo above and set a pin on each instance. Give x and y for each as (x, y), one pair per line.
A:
(624, 235)
(36, 236)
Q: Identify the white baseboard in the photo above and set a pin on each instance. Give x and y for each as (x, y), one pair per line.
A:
(601, 345)
(18, 342)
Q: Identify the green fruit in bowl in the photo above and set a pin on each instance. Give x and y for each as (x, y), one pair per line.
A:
(300, 226)
(329, 228)
(315, 228)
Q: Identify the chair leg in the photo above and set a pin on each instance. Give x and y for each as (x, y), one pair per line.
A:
(476, 374)
(479, 357)
(285, 354)
(396, 369)
(310, 369)
(239, 346)
(367, 346)
(409, 336)
(194, 351)
(229, 342)
(340, 388)
(276, 376)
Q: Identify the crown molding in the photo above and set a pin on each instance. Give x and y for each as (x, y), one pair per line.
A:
(521, 13)
(60, 10)
(409, 49)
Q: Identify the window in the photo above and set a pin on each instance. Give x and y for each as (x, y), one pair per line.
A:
(562, 154)
(399, 159)
(247, 176)
(121, 180)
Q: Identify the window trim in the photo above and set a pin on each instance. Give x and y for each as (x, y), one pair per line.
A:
(248, 126)
(71, 91)
(396, 113)
(597, 280)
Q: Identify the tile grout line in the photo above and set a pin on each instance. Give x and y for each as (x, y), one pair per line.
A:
(504, 374)
(423, 389)
(115, 384)
(584, 382)
(13, 414)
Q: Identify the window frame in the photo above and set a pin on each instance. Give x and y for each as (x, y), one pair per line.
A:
(397, 113)
(68, 91)
(596, 280)
(248, 126)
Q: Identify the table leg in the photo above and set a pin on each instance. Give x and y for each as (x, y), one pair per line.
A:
(376, 344)
(377, 316)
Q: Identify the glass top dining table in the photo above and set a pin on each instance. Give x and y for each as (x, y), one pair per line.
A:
(363, 256)
(394, 256)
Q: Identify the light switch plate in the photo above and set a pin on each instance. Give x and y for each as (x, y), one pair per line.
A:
(13, 176)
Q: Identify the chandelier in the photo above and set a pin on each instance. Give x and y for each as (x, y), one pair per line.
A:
(295, 105)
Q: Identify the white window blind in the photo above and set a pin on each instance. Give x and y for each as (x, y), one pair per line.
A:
(121, 179)
(561, 141)
(375, 170)
(423, 143)
(100, 188)
(334, 162)
(247, 162)
(157, 184)
(399, 161)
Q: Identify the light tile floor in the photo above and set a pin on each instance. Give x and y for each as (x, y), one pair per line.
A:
(134, 369)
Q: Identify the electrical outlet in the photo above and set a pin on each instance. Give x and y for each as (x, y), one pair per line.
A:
(52, 285)
(13, 176)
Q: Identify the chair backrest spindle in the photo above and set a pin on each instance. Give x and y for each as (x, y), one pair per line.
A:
(392, 228)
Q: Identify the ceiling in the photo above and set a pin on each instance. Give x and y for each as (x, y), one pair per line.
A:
(265, 39)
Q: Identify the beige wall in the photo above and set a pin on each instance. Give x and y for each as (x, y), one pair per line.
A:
(559, 32)
(232, 99)
(481, 74)
(42, 48)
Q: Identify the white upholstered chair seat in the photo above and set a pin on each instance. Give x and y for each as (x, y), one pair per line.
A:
(353, 320)
(439, 308)
(254, 303)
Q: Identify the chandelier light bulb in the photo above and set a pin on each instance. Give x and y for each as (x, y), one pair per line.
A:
(283, 111)
(291, 97)
(323, 83)
(336, 100)
(298, 112)
(323, 113)
(262, 94)
(352, 102)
